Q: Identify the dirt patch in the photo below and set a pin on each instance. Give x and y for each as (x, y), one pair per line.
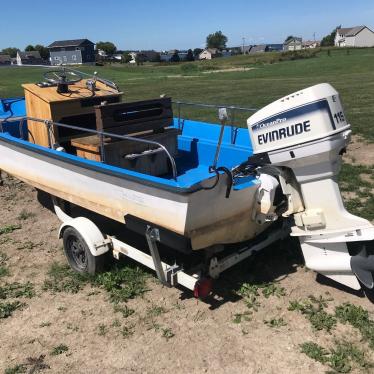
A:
(360, 152)
(228, 70)
(168, 330)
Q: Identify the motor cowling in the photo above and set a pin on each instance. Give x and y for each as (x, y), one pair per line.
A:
(301, 117)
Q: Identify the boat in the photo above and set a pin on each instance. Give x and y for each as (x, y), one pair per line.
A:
(198, 186)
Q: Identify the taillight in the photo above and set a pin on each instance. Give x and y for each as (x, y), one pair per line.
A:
(203, 288)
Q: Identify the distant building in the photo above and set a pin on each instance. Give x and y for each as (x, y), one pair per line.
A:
(133, 57)
(310, 44)
(235, 50)
(226, 53)
(102, 53)
(250, 49)
(143, 56)
(209, 53)
(29, 58)
(274, 47)
(167, 56)
(5, 60)
(358, 36)
(246, 49)
(117, 57)
(258, 49)
(72, 52)
(293, 44)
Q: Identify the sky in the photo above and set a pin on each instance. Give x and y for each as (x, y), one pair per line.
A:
(175, 24)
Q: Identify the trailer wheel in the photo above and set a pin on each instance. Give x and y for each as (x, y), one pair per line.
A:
(78, 254)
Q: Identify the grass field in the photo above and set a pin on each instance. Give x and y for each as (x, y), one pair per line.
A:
(351, 74)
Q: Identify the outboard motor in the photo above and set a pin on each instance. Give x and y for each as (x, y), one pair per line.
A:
(301, 139)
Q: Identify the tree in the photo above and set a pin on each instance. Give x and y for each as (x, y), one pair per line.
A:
(43, 51)
(108, 47)
(11, 51)
(190, 56)
(329, 40)
(30, 48)
(216, 40)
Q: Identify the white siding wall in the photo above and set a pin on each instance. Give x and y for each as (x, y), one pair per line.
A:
(365, 38)
(205, 55)
(350, 41)
(338, 37)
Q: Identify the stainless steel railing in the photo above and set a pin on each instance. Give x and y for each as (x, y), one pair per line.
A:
(49, 125)
(232, 109)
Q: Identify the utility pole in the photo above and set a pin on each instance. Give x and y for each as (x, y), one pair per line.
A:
(243, 39)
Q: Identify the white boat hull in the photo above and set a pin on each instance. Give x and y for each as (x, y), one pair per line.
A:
(206, 217)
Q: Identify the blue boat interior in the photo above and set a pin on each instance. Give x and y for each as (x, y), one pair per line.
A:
(196, 148)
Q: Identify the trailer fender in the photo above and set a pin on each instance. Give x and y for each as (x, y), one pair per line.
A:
(95, 240)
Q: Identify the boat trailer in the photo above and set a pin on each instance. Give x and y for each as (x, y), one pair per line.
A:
(199, 279)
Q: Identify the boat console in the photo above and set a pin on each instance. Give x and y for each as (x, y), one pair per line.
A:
(95, 106)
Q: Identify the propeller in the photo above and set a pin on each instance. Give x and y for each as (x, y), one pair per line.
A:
(362, 264)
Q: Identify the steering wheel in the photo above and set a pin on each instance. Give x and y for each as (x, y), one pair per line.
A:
(63, 78)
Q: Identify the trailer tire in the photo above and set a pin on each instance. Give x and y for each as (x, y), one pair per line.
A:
(79, 255)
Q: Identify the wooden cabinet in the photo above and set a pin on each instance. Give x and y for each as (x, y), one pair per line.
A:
(75, 108)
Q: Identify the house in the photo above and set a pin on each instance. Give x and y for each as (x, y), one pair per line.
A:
(72, 52)
(311, 44)
(274, 47)
(29, 58)
(246, 49)
(261, 48)
(293, 44)
(143, 56)
(167, 56)
(258, 49)
(102, 53)
(5, 60)
(117, 57)
(358, 36)
(209, 53)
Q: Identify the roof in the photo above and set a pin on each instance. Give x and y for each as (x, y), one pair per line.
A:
(293, 40)
(29, 54)
(311, 42)
(271, 47)
(69, 43)
(258, 48)
(350, 31)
